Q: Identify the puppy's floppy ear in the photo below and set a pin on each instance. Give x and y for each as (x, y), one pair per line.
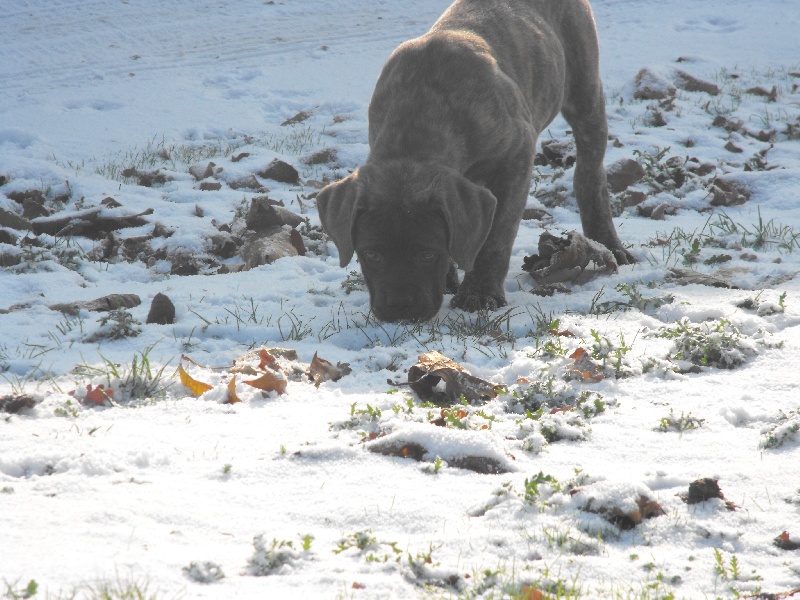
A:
(337, 210)
(469, 211)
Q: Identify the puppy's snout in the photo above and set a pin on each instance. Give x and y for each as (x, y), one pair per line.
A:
(399, 301)
(402, 306)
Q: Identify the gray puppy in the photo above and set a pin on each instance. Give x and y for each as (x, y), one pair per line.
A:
(453, 123)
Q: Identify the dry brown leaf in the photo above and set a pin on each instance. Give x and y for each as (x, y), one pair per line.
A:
(322, 370)
(269, 382)
(434, 367)
(197, 388)
(562, 259)
(584, 367)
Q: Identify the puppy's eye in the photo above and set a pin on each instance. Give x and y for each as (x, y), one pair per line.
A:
(371, 255)
(427, 255)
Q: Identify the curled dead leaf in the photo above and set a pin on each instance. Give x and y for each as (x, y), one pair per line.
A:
(562, 259)
(233, 398)
(267, 360)
(434, 367)
(321, 370)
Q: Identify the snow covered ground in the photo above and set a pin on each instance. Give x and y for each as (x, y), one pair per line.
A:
(574, 481)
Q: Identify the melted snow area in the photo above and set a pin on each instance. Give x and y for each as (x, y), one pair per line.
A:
(645, 439)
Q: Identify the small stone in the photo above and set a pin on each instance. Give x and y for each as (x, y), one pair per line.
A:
(633, 198)
(7, 238)
(690, 83)
(246, 183)
(623, 174)
(15, 404)
(731, 147)
(200, 172)
(702, 490)
(263, 214)
(223, 246)
(534, 214)
(33, 208)
(322, 157)
(104, 304)
(20, 197)
(303, 115)
(770, 95)
(655, 118)
(231, 268)
(268, 249)
(650, 86)
(162, 310)
(184, 265)
(280, 171)
(13, 221)
(110, 202)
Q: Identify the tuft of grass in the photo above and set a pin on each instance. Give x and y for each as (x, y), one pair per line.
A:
(15, 592)
(682, 423)
(271, 559)
(118, 324)
(139, 381)
(203, 572)
(362, 540)
(786, 429)
(716, 344)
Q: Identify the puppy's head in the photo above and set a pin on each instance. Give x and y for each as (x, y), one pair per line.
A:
(406, 221)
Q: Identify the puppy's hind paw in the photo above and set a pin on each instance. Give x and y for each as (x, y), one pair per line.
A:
(623, 256)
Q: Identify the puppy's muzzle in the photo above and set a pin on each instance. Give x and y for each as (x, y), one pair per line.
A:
(403, 306)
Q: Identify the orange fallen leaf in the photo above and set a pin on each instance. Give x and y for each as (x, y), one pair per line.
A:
(232, 397)
(269, 382)
(562, 333)
(785, 542)
(358, 586)
(578, 354)
(196, 387)
(98, 395)
(530, 593)
(584, 367)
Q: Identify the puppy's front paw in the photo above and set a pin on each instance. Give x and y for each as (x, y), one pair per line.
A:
(473, 298)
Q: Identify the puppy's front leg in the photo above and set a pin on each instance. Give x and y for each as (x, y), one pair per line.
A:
(483, 286)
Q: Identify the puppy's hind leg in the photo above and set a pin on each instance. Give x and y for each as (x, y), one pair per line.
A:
(585, 111)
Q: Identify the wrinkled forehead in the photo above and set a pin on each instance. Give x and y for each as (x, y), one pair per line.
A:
(393, 226)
